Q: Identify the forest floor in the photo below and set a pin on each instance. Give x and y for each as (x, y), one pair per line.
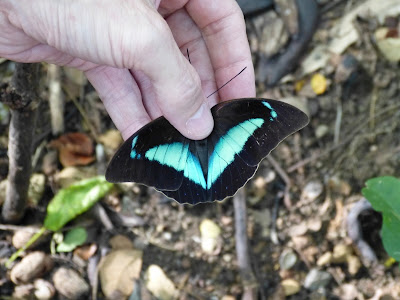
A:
(300, 202)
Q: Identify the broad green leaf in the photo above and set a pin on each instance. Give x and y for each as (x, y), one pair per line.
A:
(74, 238)
(75, 200)
(391, 235)
(384, 195)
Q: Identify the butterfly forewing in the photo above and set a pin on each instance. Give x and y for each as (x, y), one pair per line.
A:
(150, 156)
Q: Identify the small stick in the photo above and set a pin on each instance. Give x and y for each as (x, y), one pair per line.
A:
(249, 280)
(286, 198)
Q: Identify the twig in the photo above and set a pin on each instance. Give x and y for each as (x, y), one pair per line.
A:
(30, 229)
(249, 280)
(56, 100)
(22, 97)
(338, 121)
(286, 198)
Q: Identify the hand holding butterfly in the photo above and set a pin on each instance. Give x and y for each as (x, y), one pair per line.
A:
(132, 53)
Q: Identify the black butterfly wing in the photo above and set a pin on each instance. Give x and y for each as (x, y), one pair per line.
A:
(153, 156)
(248, 130)
(245, 131)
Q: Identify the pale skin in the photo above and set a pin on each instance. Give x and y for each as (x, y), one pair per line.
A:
(133, 52)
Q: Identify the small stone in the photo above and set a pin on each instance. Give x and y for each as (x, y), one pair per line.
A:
(301, 242)
(321, 131)
(317, 295)
(43, 289)
(22, 291)
(228, 297)
(32, 266)
(21, 237)
(210, 234)
(290, 286)
(37, 184)
(316, 279)
(354, 264)
(298, 230)
(50, 162)
(311, 191)
(314, 224)
(348, 292)
(325, 259)
(159, 284)
(167, 236)
(341, 252)
(287, 259)
(120, 241)
(227, 258)
(70, 284)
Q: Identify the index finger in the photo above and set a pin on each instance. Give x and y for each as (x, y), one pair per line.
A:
(224, 32)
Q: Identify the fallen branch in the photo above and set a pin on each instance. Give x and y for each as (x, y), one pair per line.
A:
(22, 98)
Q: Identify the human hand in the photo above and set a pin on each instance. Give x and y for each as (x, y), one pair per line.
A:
(130, 52)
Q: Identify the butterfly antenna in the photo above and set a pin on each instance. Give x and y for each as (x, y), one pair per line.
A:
(226, 82)
(187, 51)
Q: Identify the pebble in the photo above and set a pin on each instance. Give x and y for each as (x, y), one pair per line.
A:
(341, 252)
(354, 264)
(287, 259)
(159, 284)
(22, 291)
(32, 266)
(298, 230)
(37, 184)
(321, 131)
(314, 224)
(290, 286)
(120, 241)
(316, 279)
(311, 191)
(70, 284)
(43, 289)
(21, 237)
(325, 259)
(348, 292)
(210, 233)
(228, 297)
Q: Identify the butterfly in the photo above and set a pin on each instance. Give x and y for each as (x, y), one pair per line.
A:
(193, 171)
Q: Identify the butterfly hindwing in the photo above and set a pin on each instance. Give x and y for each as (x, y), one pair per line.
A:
(245, 131)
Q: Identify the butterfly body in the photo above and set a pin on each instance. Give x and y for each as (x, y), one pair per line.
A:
(189, 171)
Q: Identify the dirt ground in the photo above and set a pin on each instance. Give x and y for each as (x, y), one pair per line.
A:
(353, 135)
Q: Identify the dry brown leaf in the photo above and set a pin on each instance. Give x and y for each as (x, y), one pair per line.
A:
(74, 149)
(118, 270)
(85, 252)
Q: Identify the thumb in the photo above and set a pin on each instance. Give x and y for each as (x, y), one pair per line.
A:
(176, 84)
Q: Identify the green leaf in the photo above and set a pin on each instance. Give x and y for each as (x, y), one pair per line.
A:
(74, 238)
(384, 195)
(75, 200)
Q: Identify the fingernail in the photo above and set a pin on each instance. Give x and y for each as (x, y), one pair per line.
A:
(201, 124)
